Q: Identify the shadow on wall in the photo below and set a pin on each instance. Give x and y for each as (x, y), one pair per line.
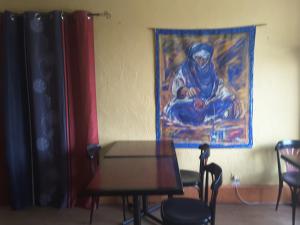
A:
(265, 156)
(104, 149)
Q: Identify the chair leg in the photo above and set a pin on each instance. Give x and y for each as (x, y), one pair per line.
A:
(294, 202)
(92, 209)
(129, 205)
(279, 195)
(124, 205)
(97, 202)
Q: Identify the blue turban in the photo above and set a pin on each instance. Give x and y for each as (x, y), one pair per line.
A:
(198, 47)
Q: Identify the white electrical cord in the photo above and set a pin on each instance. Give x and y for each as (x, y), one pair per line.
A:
(240, 197)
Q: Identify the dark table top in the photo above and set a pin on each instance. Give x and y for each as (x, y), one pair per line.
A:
(137, 167)
(141, 149)
(295, 161)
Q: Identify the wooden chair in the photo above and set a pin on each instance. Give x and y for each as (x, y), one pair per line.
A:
(93, 152)
(291, 176)
(191, 178)
(187, 211)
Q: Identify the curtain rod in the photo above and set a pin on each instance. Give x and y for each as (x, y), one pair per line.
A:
(105, 14)
(256, 25)
(260, 24)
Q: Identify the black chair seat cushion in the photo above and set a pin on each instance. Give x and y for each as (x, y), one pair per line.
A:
(189, 178)
(292, 178)
(184, 211)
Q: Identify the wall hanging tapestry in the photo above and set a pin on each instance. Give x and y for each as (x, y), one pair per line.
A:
(204, 86)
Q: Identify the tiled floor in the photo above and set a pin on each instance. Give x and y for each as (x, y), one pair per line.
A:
(110, 215)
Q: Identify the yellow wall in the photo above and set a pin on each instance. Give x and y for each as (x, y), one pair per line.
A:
(124, 48)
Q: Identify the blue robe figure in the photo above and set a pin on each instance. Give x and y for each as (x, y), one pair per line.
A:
(198, 95)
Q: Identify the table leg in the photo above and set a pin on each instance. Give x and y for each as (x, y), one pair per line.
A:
(92, 208)
(145, 203)
(136, 210)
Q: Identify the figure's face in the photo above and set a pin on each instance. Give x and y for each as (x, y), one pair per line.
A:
(201, 58)
(202, 62)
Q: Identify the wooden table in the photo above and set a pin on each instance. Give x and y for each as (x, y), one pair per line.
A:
(293, 160)
(137, 168)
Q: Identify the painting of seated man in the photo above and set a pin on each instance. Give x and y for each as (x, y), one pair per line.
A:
(204, 86)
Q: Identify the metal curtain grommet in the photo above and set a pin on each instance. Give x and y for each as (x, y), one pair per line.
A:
(37, 16)
(12, 17)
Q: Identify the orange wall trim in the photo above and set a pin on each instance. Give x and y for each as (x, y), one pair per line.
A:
(260, 194)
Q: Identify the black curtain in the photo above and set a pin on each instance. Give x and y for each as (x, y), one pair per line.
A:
(4, 187)
(17, 127)
(35, 110)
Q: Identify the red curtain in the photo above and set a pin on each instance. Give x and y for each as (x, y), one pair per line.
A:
(81, 99)
(4, 191)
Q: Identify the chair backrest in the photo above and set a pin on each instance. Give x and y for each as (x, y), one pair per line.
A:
(289, 147)
(204, 155)
(93, 151)
(205, 151)
(213, 179)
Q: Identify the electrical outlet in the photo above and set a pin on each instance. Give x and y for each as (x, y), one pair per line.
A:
(235, 180)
